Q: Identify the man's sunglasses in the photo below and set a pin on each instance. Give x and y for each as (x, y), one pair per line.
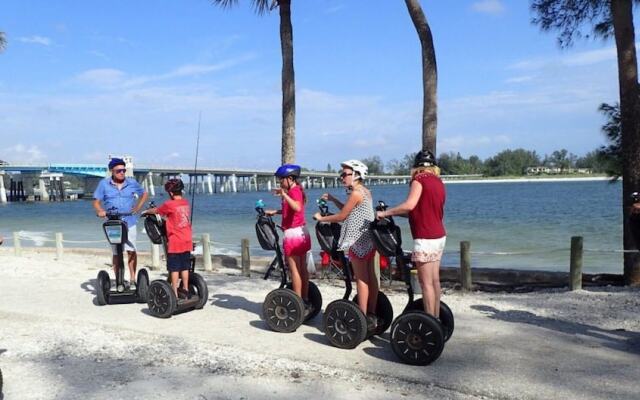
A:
(120, 171)
(344, 175)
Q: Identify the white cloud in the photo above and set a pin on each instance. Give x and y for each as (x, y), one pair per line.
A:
(45, 41)
(103, 77)
(520, 79)
(20, 153)
(492, 7)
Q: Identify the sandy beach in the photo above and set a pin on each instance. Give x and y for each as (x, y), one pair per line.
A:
(56, 343)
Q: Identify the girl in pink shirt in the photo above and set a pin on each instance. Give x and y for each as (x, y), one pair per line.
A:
(297, 241)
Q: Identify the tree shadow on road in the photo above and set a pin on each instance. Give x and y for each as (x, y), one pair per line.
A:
(232, 302)
(617, 339)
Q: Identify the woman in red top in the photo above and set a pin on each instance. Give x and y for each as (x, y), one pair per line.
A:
(178, 223)
(297, 241)
(425, 207)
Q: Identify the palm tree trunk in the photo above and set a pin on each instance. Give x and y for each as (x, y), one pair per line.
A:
(288, 84)
(429, 76)
(622, 13)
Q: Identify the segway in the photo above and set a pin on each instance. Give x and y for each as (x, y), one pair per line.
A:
(282, 310)
(416, 337)
(344, 324)
(115, 229)
(162, 301)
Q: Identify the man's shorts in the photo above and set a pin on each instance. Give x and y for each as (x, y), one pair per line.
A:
(130, 245)
(178, 261)
(428, 250)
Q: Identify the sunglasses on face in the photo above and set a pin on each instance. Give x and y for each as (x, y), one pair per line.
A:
(120, 171)
(345, 174)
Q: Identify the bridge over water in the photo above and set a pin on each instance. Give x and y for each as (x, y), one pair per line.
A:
(205, 180)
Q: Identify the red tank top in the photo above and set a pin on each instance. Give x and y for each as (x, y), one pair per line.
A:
(426, 218)
(290, 218)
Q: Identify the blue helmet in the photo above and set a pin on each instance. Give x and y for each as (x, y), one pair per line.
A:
(116, 161)
(286, 170)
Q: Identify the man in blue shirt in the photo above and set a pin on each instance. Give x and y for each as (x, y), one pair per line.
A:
(119, 192)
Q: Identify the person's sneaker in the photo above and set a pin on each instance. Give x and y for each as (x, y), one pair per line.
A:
(308, 308)
(183, 294)
(372, 322)
(132, 285)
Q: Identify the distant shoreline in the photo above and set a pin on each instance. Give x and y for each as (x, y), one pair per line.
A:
(529, 179)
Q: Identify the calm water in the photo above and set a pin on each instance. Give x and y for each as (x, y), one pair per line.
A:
(513, 225)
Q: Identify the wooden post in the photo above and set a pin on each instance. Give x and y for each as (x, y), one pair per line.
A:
(206, 251)
(575, 265)
(155, 256)
(465, 266)
(246, 258)
(59, 248)
(16, 244)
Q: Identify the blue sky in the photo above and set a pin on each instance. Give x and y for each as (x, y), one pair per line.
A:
(83, 79)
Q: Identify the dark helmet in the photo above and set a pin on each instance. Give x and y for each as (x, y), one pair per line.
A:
(286, 170)
(424, 158)
(116, 161)
(174, 185)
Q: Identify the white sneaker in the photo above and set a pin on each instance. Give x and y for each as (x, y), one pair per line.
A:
(132, 285)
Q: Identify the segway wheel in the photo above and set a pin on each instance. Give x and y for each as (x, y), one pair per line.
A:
(315, 298)
(446, 316)
(344, 324)
(416, 338)
(142, 290)
(283, 310)
(103, 285)
(162, 301)
(384, 312)
(198, 287)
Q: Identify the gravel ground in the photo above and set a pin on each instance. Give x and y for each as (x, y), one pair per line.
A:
(56, 343)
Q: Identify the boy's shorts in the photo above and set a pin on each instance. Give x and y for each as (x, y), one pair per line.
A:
(130, 245)
(428, 250)
(178, 261)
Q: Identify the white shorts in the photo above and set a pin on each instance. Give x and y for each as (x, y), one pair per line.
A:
(428, 250)
(130, 245)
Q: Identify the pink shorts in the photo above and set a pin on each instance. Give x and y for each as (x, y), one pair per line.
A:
(366, 257)
(296, 242)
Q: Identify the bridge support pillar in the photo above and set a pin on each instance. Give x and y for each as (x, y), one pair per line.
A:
(3, 192)
(269, 185)
(322, 182)
(152, 190)
(44, 195)
(255, 181)
(234, 184)
(209, 184)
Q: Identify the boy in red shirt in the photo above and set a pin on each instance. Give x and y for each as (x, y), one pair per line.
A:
(176, 212)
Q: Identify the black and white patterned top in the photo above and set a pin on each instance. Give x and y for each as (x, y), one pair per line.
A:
(355, 234)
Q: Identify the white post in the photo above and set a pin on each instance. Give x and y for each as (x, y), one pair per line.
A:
(152, 190)
(234, 185)
(209, 184)
(204, 190)
(269, 185)
(3, 191)
(206, 251)
(16, 244)
(322, 182)
(59, 248)
(255, 181)
(308, 182)
(223, 183)
(155, 256)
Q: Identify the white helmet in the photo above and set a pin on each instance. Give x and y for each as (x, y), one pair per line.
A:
(356, 166)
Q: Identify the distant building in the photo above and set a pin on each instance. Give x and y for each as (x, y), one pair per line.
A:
(3, 162)
(542, 170)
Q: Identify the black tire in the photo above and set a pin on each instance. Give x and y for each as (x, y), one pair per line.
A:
(344, 324)
(198, 287)
(384, 311)
(162, 301)
(1, 382)
(142, 287)
(416, 338)
(446, 316)
(315, 298)
(103, 286)
(283, 310)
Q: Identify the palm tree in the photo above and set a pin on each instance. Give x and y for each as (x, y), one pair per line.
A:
(429, 76)
(288, 81)
(3, 41)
